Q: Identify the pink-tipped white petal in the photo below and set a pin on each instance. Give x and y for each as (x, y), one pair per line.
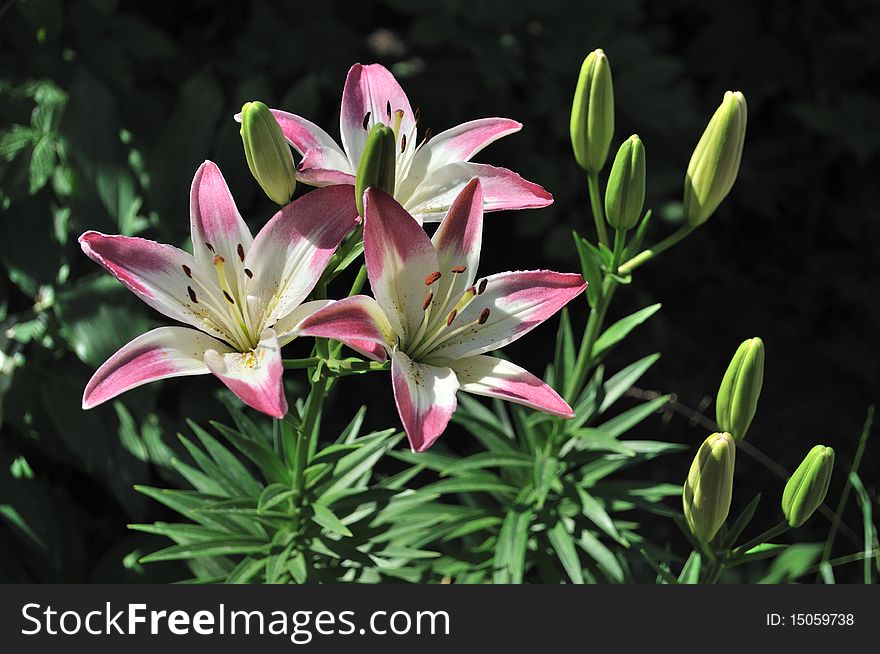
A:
(502, 189)
(290, 253)
(401, 261)
(494, 377)
(323, 161)
(511, 304)
(371, 90)
(285, 327)
(159, 354)
(425, 397)
(160, 275)
(216, 226)
(458, 241)
(357, 321)
(255, 377)
(459, 143)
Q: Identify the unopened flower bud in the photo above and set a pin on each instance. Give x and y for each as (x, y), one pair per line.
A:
(709, 486)
(625, 194)
(805, 491)
(377, 166)
(267, 152)
(715, 161)
(592, 113)
(740, 388)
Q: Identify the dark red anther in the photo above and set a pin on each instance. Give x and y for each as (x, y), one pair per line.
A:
(228, 297)
(428, 134)
(240, 251)
(187, 271)
(484, 316)
(459, 269)
(247, 271)
(482, 286)
(192, 294)
(388, 109)
(427, 301)
(209, 246)
(366, 120)
(403, 143)
(451, 317)
(433, 277)
(417, 115)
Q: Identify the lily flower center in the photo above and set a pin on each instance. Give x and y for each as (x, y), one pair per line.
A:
(440, 314)
(224, 306)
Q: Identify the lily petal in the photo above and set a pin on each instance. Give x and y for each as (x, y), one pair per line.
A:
(511, 305)
(401, 262)
(285, 327)
(290, 253)
(159, 354)
(370, 89)
(158, 274)
(502, 189)
(494, 377)
(323, 161)
(216, 226)
(357, 321)
(458, 241)
(425, 397)
(255, 377)
(459, 143)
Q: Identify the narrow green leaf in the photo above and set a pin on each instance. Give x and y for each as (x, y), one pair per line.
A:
(328, 520)
(621, 382)
(604, 557)
(619, 330)
(220, 547)
(621, 424)
(690, 573)
(563, 544)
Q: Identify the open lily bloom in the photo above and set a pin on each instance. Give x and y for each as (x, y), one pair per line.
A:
(436, 321)
(430, 171)
(243, 295)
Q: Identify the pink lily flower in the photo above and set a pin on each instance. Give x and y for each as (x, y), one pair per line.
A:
(430, 173)
(242, 294)
(436, 321)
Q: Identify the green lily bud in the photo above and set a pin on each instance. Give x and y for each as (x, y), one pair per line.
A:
(740, 388)
(377, 166)
(709, 486)
(267, 152)
(715, 161)
(625, 194)
(805, 491)
(592, 113)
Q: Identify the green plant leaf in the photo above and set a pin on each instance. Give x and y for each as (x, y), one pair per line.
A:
(621, 329)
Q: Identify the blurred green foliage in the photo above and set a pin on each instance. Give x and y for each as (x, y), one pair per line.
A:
(108, 108)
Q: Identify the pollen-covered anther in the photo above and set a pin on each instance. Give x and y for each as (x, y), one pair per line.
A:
(366, 122)
(192, 294)
(451, 317)
(428, 298)
(240, 251)
(187, 271)
(218, 260)
(459, 269)
(482, 286)
(433, 277)
(484, 316)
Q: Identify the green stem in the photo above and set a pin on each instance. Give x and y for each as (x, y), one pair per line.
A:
(646, 255)
(299, 364)
(596, 205)
(773, 532)
(591, 333)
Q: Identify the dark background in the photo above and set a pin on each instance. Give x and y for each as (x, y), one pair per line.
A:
(790, 256)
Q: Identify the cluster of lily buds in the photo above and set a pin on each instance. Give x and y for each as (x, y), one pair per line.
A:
(807, 487)
(267, 152)
(709, 486)
(740, 388)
